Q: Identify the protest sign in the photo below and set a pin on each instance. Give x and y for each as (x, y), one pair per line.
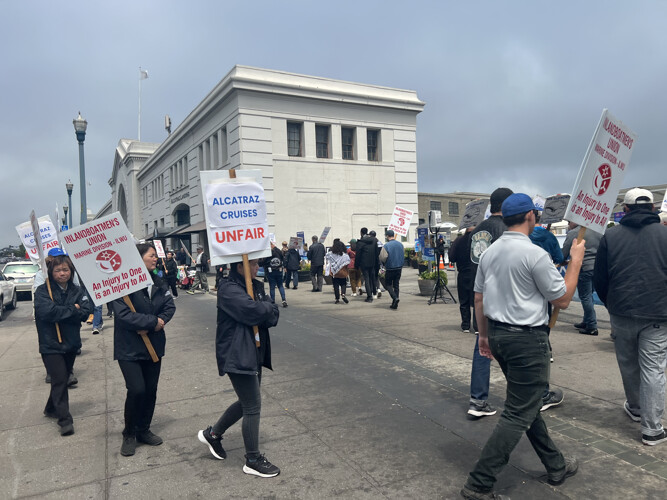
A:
(235, 212)
(601, 174)
(106, 258)
(618, 216)
(295, 242)
(539, 202)
(324, 234)
(47, 233)
(554, 209)
(159, 249)
(400, 220)
(474, 213)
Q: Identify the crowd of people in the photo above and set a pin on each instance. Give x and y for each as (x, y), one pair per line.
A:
(507, 274)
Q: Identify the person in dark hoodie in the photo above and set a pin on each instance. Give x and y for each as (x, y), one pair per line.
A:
(292, 265)
(241, 354)
(459, 254)
(630, 277)
(365, 260)
(316, 257)
(154, 307)
(61, 316)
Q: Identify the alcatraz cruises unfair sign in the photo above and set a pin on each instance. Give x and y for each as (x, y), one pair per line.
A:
(106, 258)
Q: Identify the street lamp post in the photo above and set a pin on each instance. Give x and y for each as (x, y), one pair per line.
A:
(69, 186)
(80, 126)
(65, 209)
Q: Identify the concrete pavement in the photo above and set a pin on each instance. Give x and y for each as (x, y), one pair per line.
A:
(363, 402)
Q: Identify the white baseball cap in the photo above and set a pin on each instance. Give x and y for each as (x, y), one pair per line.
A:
(638, 195)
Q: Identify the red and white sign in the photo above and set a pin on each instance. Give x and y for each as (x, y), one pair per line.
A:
(235, 212)
(106, 258)
(159, 249)
(47, 233)
(601, 174)
(400, 220)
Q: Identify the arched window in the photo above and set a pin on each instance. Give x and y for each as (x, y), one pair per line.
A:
(181, 215)
(122, 203)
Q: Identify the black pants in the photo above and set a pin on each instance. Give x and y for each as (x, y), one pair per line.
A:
(59, 366)
(391, 279)
(172, 284)
(141, 378)
(464, 286)
(369, 281)
(248, 406)
(339, 285)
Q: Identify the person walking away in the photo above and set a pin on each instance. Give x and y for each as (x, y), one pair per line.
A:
(353, 273)
(459, 254)
(630, 276)
(511, 297)
(241, 359)
(481, 238)
(69, 307)
(394, 257)
(589, 324)
(273, 267)
(376, 266)
(154, 308)
(365, 261)
(201, 268)
(292, 266)
(316, 257)
(171, 273)
(338, 260)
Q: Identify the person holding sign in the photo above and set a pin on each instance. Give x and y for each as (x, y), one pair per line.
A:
(511, 296)
(154, 307)
(60, 308)
(630, 277)
(273, 267)
(241, 359)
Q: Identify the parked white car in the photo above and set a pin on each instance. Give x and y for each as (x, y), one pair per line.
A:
(7, 294)
(23, 272)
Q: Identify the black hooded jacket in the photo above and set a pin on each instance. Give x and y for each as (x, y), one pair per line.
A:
(630, 274)
(235, 347)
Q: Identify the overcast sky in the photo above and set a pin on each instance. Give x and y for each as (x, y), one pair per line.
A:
(513, 89)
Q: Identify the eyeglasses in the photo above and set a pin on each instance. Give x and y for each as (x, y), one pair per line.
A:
(537, 216)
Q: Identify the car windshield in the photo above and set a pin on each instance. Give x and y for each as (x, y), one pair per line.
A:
(28, 269)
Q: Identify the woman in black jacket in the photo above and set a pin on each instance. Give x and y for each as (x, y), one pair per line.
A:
(154, 308)
(68, 308)
(292, 266)
(241, 359)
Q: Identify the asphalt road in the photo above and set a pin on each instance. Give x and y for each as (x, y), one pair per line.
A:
(363, 402)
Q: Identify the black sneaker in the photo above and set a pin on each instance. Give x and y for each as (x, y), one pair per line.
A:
(368, 299)
(147, 437)
(344, 299)
(260, 467)
(483, 409)
(580, 326)
(554, 398)
(337, 301)
(72, 380)
(214, 443)
(67, 430)
(635, 416)
(129, 446)
(469, 494)
(653, 440)
(589, 331)
(571, 467)
(284, 303)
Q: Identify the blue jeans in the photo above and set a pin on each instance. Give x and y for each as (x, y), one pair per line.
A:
(276, 280)
(585, 290)
(97, 317)
(524, 359)
(641, 353)
(479, 377)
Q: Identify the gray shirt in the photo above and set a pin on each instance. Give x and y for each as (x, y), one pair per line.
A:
(592, 240)
(517, 279)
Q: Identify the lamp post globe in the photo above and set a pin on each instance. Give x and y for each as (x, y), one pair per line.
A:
(80, 126)
(69, 186)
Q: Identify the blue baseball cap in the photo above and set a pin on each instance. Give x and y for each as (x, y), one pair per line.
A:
(55, 252)
(517, 203)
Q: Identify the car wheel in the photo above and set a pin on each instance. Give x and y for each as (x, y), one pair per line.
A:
(13, 303)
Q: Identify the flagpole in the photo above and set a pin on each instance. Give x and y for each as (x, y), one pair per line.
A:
(139, 125)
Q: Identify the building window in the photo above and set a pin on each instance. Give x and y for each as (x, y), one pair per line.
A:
(347, 136)
(453, 208)
(372, 140)
(294, 139)
(436, 205)
(322, 141)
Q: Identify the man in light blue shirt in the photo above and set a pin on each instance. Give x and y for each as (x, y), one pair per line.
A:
(393, 263)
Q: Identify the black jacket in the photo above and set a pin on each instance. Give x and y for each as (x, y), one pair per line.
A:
(630, 274)
(368, 253)
(276, 253)
(292, 260)
(235, 347)
(316, 254)
(127, 343)
(60, 310)
(459, 253)
(172, 270)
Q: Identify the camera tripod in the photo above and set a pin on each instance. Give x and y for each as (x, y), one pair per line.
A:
(440, 287)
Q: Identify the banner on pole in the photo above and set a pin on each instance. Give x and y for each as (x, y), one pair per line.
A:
(474, 213)
(400, 220)
(106, 258)
(159, 249)
(324, 234)
(47, 233)
(554, 209)
(601, 174)
(235, 212)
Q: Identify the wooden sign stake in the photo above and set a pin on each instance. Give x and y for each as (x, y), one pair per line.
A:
(143, 333)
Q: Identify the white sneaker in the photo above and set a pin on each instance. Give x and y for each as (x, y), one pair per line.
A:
(375, 295)
(354, 294)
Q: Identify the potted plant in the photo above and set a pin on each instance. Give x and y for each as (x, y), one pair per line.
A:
(408, 253)
(422, 266)
(414, 262)
(304, 272)
(427, 279)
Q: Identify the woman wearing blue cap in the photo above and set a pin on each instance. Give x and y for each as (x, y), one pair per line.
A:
(60, 307)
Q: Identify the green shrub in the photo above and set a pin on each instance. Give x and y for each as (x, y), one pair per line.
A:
(305, 266)
(433, 275)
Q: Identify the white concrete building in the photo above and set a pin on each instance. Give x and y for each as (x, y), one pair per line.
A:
(332, 153)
